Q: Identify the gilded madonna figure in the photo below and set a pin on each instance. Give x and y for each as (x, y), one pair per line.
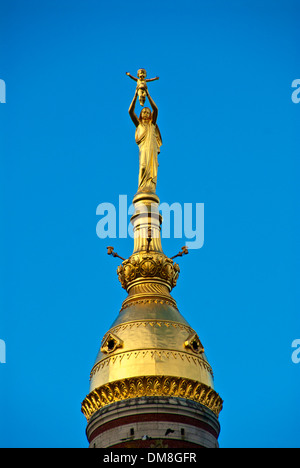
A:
(148, 139)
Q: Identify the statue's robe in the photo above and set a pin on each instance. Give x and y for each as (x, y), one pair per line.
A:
(148, 138)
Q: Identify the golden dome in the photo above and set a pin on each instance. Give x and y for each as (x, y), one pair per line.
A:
(150, 338)
(150, 349)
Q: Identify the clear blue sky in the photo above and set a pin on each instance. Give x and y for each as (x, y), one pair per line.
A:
(230, 140)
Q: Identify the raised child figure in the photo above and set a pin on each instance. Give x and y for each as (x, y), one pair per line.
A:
(142, 84)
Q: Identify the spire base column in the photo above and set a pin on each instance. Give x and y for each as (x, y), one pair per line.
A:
(146, 222)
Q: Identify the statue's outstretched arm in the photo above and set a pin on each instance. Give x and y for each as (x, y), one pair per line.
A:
(132, 114)
(152, 79)
(132, 77)
(154, 109)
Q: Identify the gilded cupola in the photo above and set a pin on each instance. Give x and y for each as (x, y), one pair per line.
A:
(150, 354)
(150, 348)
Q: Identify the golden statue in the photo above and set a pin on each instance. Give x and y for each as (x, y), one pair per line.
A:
(142, 84)
(148, 139)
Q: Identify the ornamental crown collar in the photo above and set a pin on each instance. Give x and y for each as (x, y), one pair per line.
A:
(141, 268)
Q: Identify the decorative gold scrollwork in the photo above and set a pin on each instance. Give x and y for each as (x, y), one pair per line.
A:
(148, 266)
(151, 386)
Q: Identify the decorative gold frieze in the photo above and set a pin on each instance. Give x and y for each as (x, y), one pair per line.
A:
(152, 324)
(149, 386)
(152, 354)
(135, 301)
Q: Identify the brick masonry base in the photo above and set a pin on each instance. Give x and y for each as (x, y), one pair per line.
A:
(153, 422)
